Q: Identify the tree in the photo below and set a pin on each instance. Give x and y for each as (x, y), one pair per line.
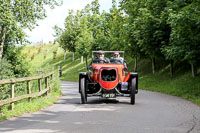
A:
(67, 38)
(146, 26)
(84, 38)
(185, 35)
(20, 14)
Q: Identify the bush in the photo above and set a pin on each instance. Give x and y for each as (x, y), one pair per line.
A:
(45, 56)
(19, 65)
(54, 54)
(6, 69)
(39, 50)
(32, 57)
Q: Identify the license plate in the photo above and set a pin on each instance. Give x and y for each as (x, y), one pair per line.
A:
(108, 95)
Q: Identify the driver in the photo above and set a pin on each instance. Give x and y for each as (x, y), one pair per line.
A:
(100, 58)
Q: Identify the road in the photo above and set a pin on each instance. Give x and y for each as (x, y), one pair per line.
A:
(152, 113)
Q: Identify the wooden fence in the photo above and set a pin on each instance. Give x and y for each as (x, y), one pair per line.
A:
(30, 95)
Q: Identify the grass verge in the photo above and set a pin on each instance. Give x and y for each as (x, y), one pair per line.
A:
(183, 86)
(28, 107)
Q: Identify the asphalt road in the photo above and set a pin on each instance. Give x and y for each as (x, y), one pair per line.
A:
(152, 113)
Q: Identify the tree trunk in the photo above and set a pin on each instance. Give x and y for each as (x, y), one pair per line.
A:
(2, 40)
(153, 65)
(73, 56)
(135, 66)
(81, 59)
(171, 68)
(86, 63)
(194, 70)
(64, 54)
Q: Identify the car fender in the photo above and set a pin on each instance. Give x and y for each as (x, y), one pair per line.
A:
(130, 76)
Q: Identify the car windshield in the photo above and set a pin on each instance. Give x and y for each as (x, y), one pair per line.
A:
(108, 57)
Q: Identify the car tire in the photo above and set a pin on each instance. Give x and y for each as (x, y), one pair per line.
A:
(83, 91)
(133, 90)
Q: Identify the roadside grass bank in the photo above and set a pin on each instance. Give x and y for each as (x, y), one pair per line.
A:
(27, 107)
(38, 103)
(182, 84)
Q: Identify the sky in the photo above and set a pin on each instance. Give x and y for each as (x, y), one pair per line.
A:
(44, 32)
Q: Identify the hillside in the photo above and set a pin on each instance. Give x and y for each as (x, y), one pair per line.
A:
(181, 84)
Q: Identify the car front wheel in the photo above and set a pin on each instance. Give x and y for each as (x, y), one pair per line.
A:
(83, 91)
(133, 90)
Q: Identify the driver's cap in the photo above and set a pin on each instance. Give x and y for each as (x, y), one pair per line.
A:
(100, 52)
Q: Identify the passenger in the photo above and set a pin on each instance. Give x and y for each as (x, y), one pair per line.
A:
(100, 59)
(116, 59)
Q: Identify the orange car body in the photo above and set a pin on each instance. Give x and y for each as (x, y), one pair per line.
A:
(120, 77)
(108, 80)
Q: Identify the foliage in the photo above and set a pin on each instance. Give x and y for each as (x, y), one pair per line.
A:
(18, 15)
(5, 70)
(19, 65)
(54, 54)
(185, 35)
(143, 28)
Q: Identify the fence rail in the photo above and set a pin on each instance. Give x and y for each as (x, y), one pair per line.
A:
(30, 95)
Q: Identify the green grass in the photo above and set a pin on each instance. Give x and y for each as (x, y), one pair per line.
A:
(36, 104)
(28, 107)
(70, 70)
(183, 86)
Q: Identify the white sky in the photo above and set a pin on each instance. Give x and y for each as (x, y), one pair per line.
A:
(57, 16)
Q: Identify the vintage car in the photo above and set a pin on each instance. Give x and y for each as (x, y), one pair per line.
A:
(108, 80)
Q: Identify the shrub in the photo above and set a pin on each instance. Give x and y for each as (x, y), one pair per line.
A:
(54, 54)
(32, 57)
(19, 65)
(5, 69)
(45, 56)
(39, 50)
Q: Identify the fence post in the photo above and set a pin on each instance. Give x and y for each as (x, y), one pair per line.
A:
(29, 89)
(51, 81)
(46, 83)
(60, 71)
(12, 95)
(39, 85)
(51, 77)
